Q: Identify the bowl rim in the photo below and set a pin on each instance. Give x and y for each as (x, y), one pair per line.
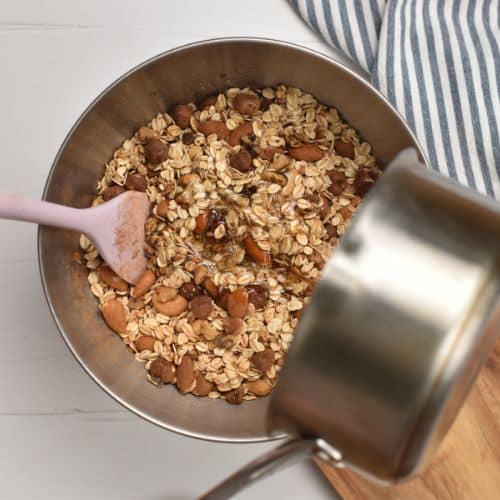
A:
(357, 74)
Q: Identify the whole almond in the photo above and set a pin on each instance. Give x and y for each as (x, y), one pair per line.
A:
(345, 149)
(115, 315)
(201, 306)
(112, 279)
(187, 179)
(235, 397)
(143, 284)
(234, 326)
(111, 192)
(255, 252)
(235, 137)
(263, 360)
(162, 369)
(202, 222)
(307, 152)
(186, 378)
(145, 343)
(171, 308)
(182, 115)
(259, 387)
(216, 127)
(237, 303)
(211, 288)
(202, 387)
(162, 209)
(246, 104)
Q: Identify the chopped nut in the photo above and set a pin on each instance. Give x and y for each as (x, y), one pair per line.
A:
(242, 161)
(235, 397)
(236, 136)
(255, 252)
(210, 127)
(246, 104)
(112, 192)
(190, 290)
(211, 288)
(182, 115)
(234, 326)
(202, 386)
(345, 149)
(258, 295)
(136, 182)
(259, 387)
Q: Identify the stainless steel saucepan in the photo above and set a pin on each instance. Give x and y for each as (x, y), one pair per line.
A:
(399, 324)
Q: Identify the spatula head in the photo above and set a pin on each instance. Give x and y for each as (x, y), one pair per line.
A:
(117, 229)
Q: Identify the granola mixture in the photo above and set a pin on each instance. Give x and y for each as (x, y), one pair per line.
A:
(250, 192)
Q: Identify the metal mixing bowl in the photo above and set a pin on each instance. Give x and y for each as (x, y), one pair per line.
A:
(180, 75)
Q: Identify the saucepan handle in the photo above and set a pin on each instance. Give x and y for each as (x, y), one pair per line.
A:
(287, 454)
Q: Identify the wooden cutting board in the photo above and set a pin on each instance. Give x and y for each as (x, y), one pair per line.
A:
(466, 466)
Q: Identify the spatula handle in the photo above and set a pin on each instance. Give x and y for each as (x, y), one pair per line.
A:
(16, 207)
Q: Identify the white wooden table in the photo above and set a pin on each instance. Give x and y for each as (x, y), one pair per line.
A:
(61, 437)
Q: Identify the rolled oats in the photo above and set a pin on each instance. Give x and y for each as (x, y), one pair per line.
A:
(250, 193)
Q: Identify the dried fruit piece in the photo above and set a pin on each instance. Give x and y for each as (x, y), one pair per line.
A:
(246, 104)
(188, 138)
(307, 152)
(144, 283)
(162, 369)
(145, 343)
(216, 127)
(339, 182)
(258, 295)
(190, 290)
(243, 130)
(201, 306)
(255, 252)
(263, 360)
(260, 387)
(162, 209)
(242, 160)
(237, 303)
(211, 288)
(182, 115)
(111, 192)
(186, 378)
(202, 386)
(136, 182)
(156, 151)
(235, 397)
(115, 315)
(164, 303)
(345, 149)
(112, 279)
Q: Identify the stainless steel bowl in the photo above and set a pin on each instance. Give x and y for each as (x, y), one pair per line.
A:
(184, 74)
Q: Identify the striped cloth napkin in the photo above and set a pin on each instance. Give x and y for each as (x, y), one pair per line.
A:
(438, 62)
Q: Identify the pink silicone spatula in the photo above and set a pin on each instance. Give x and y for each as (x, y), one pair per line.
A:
(116, 227)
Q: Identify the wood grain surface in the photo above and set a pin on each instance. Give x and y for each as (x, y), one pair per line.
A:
(467, 464)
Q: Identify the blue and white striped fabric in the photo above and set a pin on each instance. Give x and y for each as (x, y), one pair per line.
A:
(438, 62)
